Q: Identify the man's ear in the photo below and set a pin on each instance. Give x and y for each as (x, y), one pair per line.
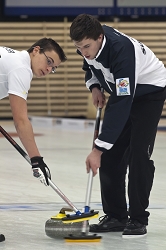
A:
(100, 37)
(36, 49)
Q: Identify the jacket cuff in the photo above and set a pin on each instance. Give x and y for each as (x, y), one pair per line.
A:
(101, 149)
(94, 86)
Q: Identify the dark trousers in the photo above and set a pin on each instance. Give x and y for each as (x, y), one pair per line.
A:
(132, 150)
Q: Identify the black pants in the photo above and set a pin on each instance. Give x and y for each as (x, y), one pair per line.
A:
(133, 149)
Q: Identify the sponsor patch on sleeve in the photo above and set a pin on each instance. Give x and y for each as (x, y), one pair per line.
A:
(122, 86)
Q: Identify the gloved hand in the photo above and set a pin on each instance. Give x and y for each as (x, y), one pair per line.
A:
(40, 169)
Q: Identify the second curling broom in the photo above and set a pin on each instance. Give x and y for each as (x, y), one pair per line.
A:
(84, 236)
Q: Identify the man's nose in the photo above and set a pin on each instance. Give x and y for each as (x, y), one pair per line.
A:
(83, 51)
(49, 69)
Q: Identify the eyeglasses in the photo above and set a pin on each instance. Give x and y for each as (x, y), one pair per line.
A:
(50, 63)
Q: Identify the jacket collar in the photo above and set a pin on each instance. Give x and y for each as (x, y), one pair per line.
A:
(102, 46)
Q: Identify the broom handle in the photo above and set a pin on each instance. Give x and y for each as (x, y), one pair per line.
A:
(22, 152)
(90, 178)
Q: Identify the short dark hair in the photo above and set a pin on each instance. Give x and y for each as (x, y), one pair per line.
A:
(48, 44)
(85, 26)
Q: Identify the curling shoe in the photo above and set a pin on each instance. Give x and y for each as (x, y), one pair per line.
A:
(2, 237)
(134, 229)
(108, 224)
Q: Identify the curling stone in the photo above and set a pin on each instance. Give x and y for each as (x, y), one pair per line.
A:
(55, 228)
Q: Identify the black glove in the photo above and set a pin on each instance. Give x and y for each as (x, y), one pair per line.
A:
(40, 169)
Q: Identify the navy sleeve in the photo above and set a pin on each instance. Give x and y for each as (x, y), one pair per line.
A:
(119, 104)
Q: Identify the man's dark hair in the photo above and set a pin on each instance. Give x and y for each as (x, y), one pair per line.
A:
(48, 44)
(85, 26)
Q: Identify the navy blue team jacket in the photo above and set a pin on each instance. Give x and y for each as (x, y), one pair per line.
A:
(126, 69)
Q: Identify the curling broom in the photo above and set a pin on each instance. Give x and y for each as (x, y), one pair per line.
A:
(78, 216)
(84, 237)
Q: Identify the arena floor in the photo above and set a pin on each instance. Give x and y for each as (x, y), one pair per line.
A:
(26, 204)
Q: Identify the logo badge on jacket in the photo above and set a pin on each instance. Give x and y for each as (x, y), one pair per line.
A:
(122, 86)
